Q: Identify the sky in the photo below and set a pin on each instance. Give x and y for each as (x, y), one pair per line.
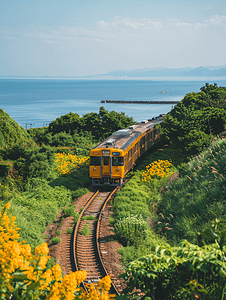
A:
(88, 37)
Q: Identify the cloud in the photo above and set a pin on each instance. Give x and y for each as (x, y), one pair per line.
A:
(121, 43)
(119, 28)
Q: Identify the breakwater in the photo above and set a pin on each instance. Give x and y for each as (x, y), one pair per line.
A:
(139, 102)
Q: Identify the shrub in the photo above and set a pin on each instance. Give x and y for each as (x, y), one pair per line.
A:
(80, 192)
(56, 240)
(69, 230)
(183, 272)
(69, 211)
(27, 275)
(58, 232)
(131, 230)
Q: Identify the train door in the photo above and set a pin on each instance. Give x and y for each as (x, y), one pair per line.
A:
(106, 166)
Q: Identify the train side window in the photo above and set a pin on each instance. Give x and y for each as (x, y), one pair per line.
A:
(117, 161)
(95, 160)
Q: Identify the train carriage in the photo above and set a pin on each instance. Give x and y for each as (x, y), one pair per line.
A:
(112, 159)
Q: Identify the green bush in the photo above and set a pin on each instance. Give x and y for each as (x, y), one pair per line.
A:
(58, 232)
(183, 272)
(131, 230)
(69, 230)
(56, 240)
(69, 211)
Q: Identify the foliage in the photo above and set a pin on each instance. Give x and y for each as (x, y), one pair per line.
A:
(99, 125)
(195, 120)
(31, 162)
(24, 275)
(183, 272)
(78, 143)
(58, 232)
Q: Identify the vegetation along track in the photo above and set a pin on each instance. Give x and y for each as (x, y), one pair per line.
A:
(86, 248)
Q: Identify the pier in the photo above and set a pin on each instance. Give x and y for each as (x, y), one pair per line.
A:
(139, 102)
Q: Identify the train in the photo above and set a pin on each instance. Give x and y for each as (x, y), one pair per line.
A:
(113, 158)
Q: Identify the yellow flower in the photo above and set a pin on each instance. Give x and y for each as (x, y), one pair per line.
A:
(157, 169)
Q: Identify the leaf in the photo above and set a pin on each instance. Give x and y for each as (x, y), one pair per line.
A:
(19, 277)
(210, 234)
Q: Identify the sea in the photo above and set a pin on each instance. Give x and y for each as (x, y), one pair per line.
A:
(36, 102)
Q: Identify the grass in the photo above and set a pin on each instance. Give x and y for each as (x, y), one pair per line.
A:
(197, 197)
(76, 216)
(85, 230)
(174, 210)
(88, 217)
(37, 207)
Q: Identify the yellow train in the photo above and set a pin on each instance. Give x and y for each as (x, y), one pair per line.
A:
(112, 159)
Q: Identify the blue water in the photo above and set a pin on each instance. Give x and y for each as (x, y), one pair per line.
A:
(37, 102)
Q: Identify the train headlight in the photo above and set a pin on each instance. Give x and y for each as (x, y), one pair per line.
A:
(117, 169)
(94, 169)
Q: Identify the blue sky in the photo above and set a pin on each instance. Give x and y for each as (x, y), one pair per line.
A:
(84, 37)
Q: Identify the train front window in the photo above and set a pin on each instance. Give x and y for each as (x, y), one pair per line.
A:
(106, 160)
(117, 161)
(95, 160)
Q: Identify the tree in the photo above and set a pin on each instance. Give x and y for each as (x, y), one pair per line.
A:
(195, 120)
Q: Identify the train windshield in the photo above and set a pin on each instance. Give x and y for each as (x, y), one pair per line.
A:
(106, 160)
(95, 160)
(117, 161)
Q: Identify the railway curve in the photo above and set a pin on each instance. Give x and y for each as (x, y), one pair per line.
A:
(87, 251)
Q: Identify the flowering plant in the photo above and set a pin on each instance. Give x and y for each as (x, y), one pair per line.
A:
(157, 169)
(67, 163)
(24, 275)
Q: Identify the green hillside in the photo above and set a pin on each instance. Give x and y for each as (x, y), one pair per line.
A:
(11, 133)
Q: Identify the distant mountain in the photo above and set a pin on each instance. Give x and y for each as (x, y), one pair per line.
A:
(200, 71)
(210, 71)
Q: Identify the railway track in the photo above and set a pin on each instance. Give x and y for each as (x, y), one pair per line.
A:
(86, 249)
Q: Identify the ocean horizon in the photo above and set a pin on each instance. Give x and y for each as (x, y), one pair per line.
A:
(36, 102)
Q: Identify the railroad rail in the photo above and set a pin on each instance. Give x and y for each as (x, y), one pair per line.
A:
(86, 249)
(140, 102)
